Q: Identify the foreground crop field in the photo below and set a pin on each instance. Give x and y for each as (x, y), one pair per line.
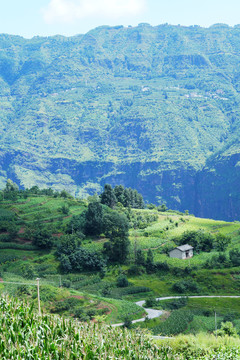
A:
(27, 335)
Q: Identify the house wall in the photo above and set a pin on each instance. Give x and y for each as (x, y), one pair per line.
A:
(191, 253)
(175, 253)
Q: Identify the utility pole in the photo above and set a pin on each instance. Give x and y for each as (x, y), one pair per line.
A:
(60, 281)
(38, 295)
(135, 244)
(216, 323)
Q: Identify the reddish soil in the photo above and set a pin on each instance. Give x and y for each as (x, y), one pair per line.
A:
(22, 230)
(77, 297)
(105, 307)
(24, 241)
(74, 296)
(1, 280)
(58, 234)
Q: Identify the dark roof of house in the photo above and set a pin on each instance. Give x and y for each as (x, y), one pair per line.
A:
(185, 247)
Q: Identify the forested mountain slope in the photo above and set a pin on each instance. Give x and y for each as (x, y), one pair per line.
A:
(154, 108)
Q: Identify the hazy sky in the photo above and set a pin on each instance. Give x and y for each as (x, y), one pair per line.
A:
(69, 17)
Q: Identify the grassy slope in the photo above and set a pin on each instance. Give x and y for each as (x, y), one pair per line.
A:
(43, 263)
(156, 234)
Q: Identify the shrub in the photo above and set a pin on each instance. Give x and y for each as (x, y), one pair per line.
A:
(222, 242)
(227, 328)
(122, 281)
(218, 261)
(175, 303)
(127, 323)
(184, 286)
(200, 240)
(136, 270)
(234, 256)
(151, 302)
(162, 266)
(64, 209)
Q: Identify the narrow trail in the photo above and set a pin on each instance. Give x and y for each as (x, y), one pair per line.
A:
(154, 313)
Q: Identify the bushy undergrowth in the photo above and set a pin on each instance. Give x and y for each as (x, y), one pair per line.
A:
(202, 346)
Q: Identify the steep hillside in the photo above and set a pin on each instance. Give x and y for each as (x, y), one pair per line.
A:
(138, 106)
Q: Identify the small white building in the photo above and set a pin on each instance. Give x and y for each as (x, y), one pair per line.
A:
(182, 252)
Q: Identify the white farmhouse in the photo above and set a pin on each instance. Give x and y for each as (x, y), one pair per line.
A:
(182, 252)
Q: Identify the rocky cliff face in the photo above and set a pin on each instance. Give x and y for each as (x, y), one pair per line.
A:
(148, 107)
(218, 189)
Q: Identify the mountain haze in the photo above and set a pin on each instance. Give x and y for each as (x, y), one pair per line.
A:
(154, 108)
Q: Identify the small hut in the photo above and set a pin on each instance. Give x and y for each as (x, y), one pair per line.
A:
(182, 252)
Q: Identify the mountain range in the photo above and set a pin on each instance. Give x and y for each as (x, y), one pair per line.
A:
(152, 108)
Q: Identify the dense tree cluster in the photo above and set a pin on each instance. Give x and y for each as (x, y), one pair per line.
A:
(203, 241)
(40, 235)
(116, 229)
(12, 192)
(75, 258)
(100, 219)
(222, 260)
(126, 196)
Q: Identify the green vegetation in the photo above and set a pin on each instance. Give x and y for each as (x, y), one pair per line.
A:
(25, 334)
(160, 108)
(81, 279)
(202, 346)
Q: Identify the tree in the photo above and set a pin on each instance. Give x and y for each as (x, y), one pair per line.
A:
(68, 244)
(64, 209)
(234, 256)
(12, 230)
(108, 196)
(227, 328)
(10, 186)
(65, 194)
(65, 263)
(150, 261)
(119, 193)
(11, 190)
(94, 219)
(34, 189)
(85, 260)
(116, 228)
(93, 198)
(127, 198)
(140, 258)
(222, 242)
(200, 240)
(27, 271)
(122, 281)
(43, 238)
(115, 225)
(77, 224)
(162, 208)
